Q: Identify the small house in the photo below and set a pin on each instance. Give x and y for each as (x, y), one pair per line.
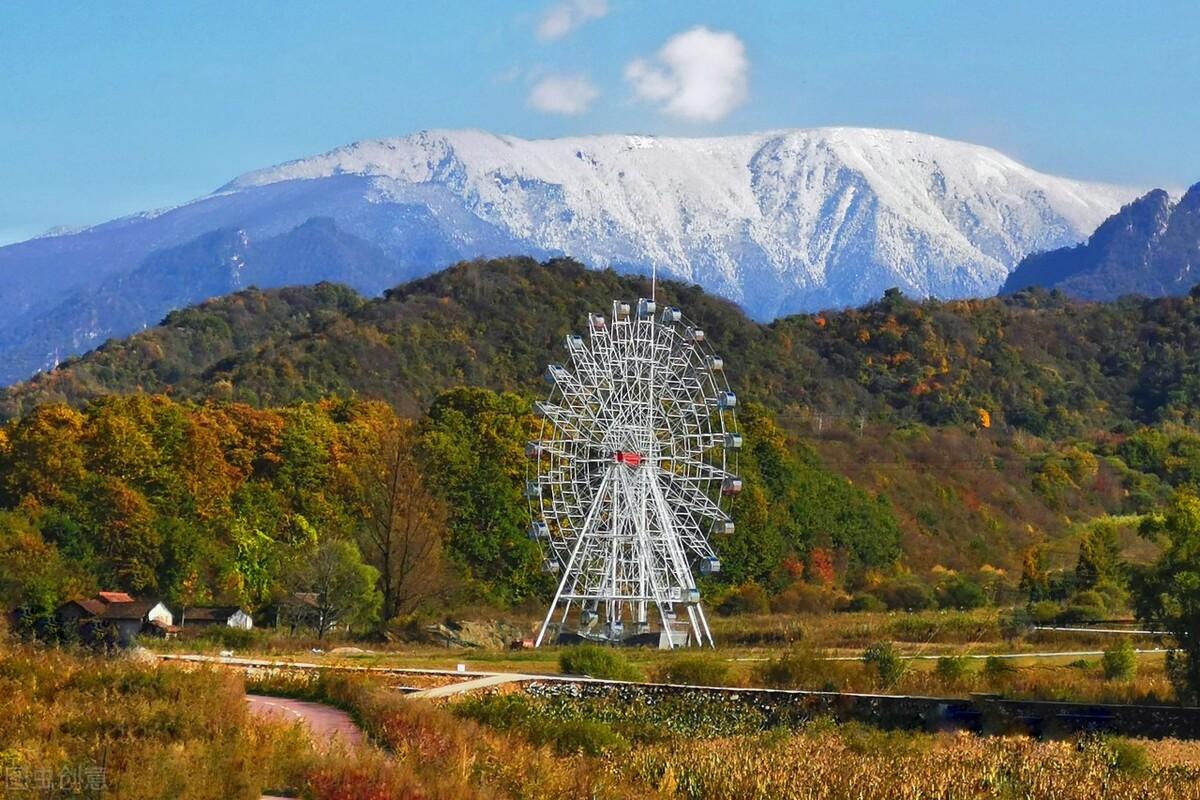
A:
(71, 613)
(227, 616)
(116, 617)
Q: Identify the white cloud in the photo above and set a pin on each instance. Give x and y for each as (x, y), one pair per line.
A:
(563, 94)
(698, 75)
(506, 75)
(562, 18)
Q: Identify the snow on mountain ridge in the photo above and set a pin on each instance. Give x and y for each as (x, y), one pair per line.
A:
(779, 220)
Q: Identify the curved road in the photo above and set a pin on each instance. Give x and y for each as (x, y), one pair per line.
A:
(326, 723)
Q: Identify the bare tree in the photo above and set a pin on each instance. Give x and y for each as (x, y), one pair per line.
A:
(404, 524)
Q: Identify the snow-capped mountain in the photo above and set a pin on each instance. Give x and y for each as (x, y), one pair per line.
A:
(780, 222)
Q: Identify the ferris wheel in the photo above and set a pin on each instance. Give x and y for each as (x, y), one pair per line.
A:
(631, 476)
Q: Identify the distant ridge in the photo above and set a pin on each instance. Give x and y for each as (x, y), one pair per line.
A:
(1150, 247)
(779, 222)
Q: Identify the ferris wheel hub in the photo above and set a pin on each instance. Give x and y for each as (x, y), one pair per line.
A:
(631, 460)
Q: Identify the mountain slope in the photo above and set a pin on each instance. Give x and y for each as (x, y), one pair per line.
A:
(1043, 364)
(890, 394)
(211, 265)
(779, 222)
(1150, 247)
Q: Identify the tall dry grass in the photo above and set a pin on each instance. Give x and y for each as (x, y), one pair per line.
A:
(153, 731)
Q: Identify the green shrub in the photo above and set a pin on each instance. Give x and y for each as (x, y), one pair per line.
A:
(1118, 755)
(906, 595)
(1088, 597)
(866, 602)
(695, 670)
(960, 592)
(952, 669)
(802, 667)
(1112, 595)
(1080, 613)
(1044, 612)
(749, 598)
(232, 638)
(1128, 757)
(500, 711)
(597, 662)
(885, 660)
(577, 736)
(995, 668)
(1119, 661)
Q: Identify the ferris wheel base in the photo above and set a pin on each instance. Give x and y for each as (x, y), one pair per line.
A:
(661, 639)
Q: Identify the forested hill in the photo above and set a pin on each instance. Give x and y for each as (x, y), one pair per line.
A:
(968, 431)
(1033, 361)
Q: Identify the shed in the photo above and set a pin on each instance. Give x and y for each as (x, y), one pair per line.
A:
(128, 619)
(228, 616)
(114, 616)
(70, 613)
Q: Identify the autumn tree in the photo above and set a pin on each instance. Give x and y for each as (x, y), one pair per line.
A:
(1167, 592)
(403, 523)
(42, 460)
(473, 445)
(1099, 556)
(34, 577)
(1035, 582)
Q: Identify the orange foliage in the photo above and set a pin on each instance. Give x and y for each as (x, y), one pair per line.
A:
(820, 565)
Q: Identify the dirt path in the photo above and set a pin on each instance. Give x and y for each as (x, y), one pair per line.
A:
(326, 723)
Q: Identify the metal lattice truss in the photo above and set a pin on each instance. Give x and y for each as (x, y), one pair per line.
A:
(637, 450)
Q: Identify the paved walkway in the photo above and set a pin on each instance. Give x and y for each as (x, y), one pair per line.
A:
(468, 686)
(326, 723)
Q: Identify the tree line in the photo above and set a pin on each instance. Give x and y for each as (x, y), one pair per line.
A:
(222, 502)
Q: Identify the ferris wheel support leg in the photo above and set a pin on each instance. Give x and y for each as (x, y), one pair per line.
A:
(696, 631)
(707, 632)
(562, 584)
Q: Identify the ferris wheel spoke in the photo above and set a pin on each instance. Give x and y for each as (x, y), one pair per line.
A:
(685, 493)
(568, 422)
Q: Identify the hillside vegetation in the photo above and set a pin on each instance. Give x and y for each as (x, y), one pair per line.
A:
(928, 438)
(1034, 361)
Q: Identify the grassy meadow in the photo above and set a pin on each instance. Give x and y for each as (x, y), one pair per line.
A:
(944, 653)
(169, 730)
(510, 745)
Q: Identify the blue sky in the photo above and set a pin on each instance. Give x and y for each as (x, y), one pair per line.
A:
(114, 107)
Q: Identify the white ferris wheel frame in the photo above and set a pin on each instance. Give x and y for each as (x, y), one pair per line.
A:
(636, 455)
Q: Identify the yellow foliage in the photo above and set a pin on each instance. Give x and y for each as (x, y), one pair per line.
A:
(872, 579)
